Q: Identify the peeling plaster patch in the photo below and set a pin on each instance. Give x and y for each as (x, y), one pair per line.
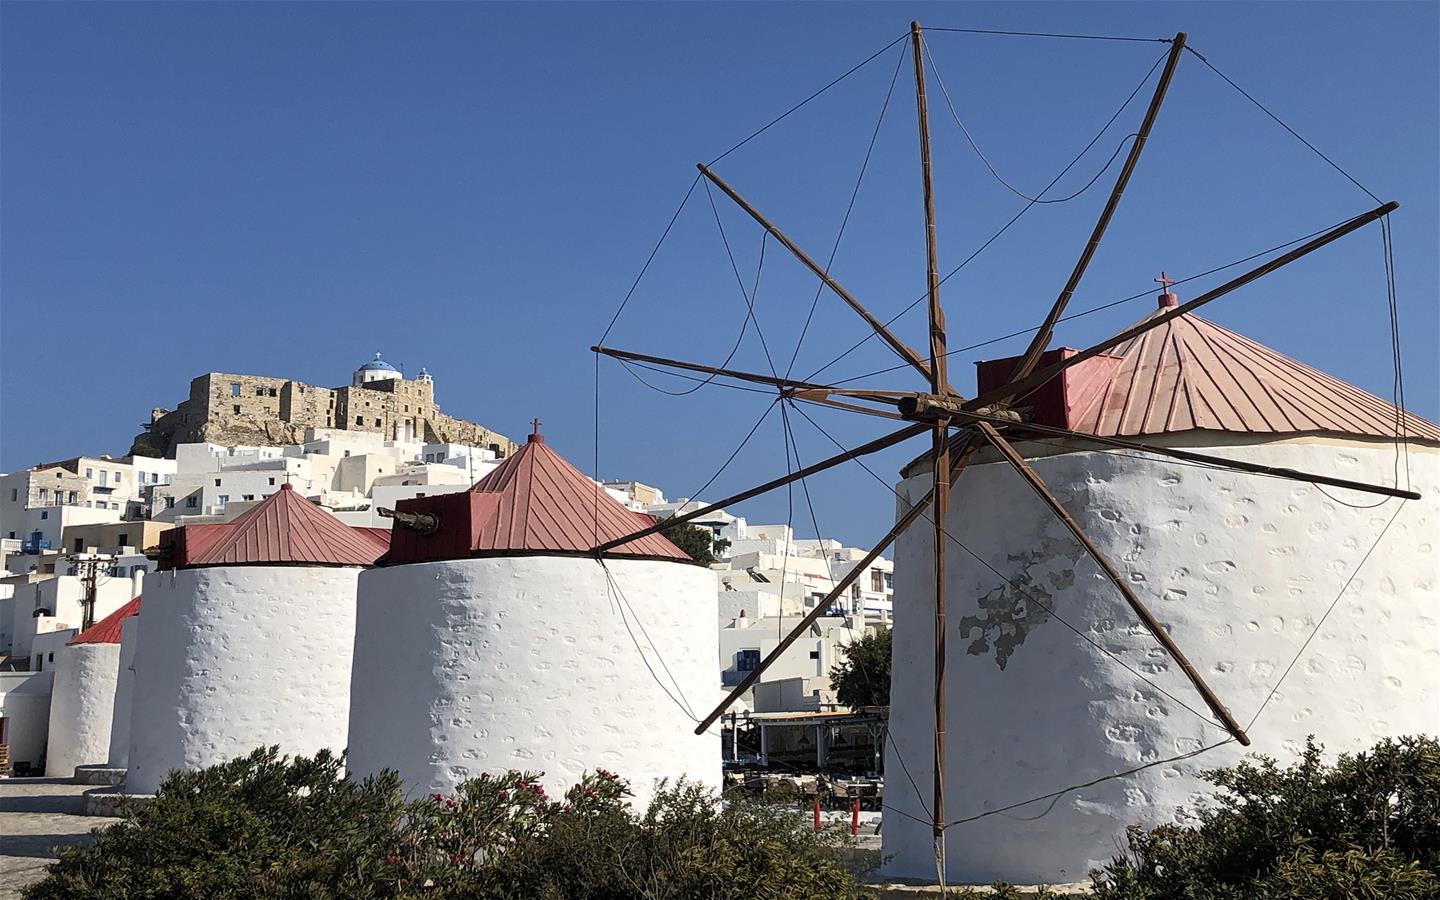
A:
(1007, 612)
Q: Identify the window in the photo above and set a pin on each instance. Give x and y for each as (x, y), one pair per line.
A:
(191, 502)
(814, 654)
(223, 499)
(234, 388)
(44, 513)
(247, 496)
(123, 540)
(79, 544)
(877, 580)
(119, 477)
(44, 494)
(359, 420)
(377, 421)
(50, 657)
(217, 482)
(72, 498)
(237, 409)
(259, 392)
(272, 481)
(169, 502)
(272, 392)
(747, 660)
(89, 473)
(104, 478)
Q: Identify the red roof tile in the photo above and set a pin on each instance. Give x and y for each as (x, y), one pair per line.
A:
(1191, 374)
(533, 502)
(285, 528)
(107, 630)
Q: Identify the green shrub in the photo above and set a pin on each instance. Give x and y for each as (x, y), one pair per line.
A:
(267, 826)
(1368, 827)
(263, 825)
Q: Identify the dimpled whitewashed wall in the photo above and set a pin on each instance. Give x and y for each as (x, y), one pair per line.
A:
(119, 752)
(531, 663)
(82, 702)
(231, 658)
(1240, 568)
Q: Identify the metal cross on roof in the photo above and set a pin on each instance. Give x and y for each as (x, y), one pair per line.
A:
(534, 426)
(1165, 281)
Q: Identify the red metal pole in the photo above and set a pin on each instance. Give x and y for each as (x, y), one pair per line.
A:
(855, 817)
(817, 814)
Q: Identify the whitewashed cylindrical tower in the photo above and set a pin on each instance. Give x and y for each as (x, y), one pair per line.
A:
(82, 698)
(500, 641)
(119, 754)
(247, 641)
(1241, 569)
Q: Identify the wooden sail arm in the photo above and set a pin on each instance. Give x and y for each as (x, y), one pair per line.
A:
(1022, 386)
(821, 607)
(902, 349)
(874, 446)
(1042, 337)
(737, 374)
(1147, 618)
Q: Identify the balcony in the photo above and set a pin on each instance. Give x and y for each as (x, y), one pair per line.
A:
(33, 546)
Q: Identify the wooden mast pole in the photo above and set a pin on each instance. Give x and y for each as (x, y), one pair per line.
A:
(940, 437)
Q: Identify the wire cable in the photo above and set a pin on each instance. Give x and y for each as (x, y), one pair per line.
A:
(1006, 227)
(786, 114)
(849, 208)
(1150, 291)
(649, 259)
(1051, 34)
(1295, 134)
(970, 139)
(1333, 603)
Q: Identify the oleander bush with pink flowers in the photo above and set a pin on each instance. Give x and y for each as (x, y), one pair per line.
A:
(275, 827)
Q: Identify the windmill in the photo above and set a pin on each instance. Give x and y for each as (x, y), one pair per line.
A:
(958, 426)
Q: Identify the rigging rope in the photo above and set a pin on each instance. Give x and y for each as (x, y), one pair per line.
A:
(1051, 34)
(775, 121)
(1334, 165)
(855, 192)
(649, 259)
(954, 114)
(1006, 227)
(1148, 292)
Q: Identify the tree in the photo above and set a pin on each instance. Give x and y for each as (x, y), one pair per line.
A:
(862, 676)
(698, 543)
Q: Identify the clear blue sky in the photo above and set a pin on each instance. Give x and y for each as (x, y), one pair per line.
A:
(286, 188)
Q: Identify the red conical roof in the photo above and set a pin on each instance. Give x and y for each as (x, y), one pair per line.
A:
(285, 528)
(533, 502)
(1192, 374)
(107, 630)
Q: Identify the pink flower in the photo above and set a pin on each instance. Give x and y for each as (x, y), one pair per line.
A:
(451, 804)
(437, 797)
(457, 859)
(392, 859)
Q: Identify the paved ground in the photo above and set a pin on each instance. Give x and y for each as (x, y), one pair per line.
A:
(36, 815)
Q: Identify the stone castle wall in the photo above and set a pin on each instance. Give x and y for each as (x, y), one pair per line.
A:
(232, 409)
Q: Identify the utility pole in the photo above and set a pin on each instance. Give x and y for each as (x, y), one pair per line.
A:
(89, 566)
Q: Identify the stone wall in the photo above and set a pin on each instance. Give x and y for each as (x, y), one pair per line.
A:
(232, 409)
